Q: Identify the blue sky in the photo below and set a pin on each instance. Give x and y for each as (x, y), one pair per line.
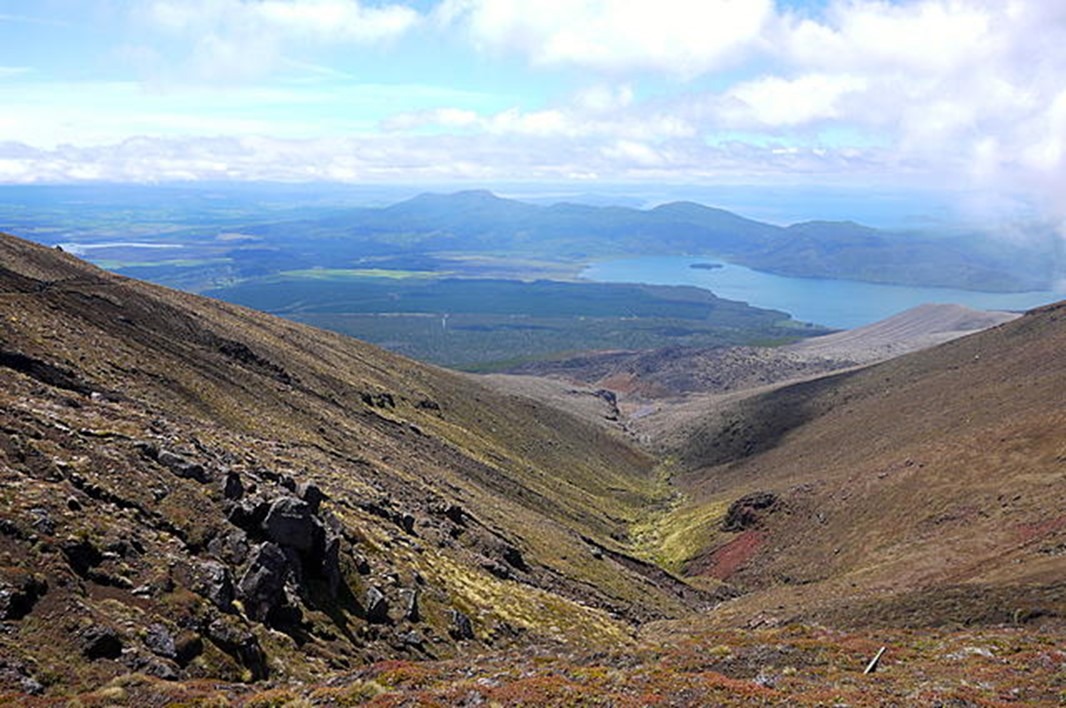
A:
(960, 94)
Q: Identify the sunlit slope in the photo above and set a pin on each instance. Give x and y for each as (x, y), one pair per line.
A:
(150, 437)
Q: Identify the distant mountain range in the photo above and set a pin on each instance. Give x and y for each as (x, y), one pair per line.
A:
(480, 222)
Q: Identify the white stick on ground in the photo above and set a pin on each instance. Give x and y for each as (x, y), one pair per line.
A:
(872, 666)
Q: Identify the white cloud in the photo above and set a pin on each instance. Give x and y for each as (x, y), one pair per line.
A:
(773, 101)
(593, 114)
(324, 20)
(675, 36)
(948, 91)
(604, 98)
(916, 37)
(39, 113)
(337, 19)
(443, 118)
(935, 79)
(414, 158)
(635, 154)
(31, 20)
(1048, 148)
(241, 39)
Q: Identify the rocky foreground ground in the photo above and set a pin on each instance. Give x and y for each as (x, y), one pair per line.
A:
(676, 665)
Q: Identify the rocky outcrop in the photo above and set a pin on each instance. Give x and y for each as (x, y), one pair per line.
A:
(312, 494)
(43, 371)
(19, 592)
(232, 487)
(160, 641)
(293, 540)
(409, 604)
(748, 511)
(462, 628)
(262, 587)
(183, 467)
(377, 606)
(217, 585)
(248, 514)
(290, 523)
(82, 555)
(100, 642)
(238, 642)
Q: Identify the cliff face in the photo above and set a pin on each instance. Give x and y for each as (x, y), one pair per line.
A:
(192, 489)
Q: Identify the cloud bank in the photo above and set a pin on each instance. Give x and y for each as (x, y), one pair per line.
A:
(677, 37)
(243, 39)
(936, 92)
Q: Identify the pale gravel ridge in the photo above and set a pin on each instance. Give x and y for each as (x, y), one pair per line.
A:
(914, 329)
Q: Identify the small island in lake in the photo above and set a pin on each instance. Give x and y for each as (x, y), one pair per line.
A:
(707, 266)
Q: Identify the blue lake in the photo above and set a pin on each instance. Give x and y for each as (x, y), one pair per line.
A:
(834, 303)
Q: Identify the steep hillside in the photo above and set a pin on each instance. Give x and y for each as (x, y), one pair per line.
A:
(925, 490)
(205, 504)
(192, 489)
